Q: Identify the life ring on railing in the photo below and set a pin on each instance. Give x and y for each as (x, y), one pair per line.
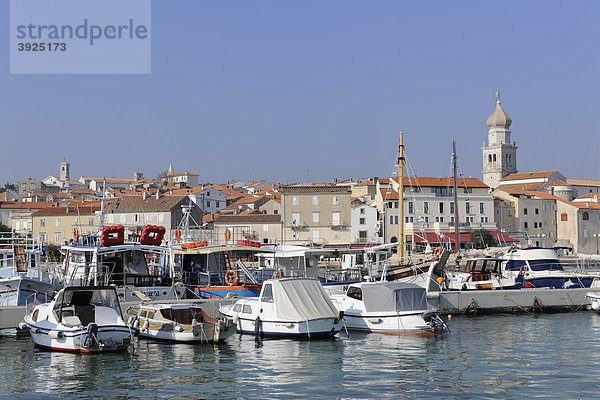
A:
(75, 235)
(231, 278)
(227, 234)
(281, 273)
(438, 252)
(177, 235)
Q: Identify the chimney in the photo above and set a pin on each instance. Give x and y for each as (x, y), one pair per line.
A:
(157, 194)
(145, 195)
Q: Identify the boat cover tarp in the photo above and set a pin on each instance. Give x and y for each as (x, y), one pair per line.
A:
(301, 299)
(393, 296)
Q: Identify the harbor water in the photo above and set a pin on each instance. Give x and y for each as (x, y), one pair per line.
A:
(500, 356)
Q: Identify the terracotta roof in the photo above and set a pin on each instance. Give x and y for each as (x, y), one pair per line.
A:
(558, 182)
(583, 182)
(528, 175)
(251, 218)
(316, 189)
(181, 174)
(441, 182)
(108, 180)
(521, 186)
(25, 204)
(388, 194)
(73, 210)
(137, 203)
(533, 193)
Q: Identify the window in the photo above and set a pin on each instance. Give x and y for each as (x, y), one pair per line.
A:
(411, 207)
(481, 208)
(361, 221)
(545, 206)
(315, 235)
(57, 238)
(296, 218)
(90, 221)
(494, 158)
(42, 222)
(585, 216)
(75, 222)
(406, 220)
(43, 237)
(265, 227)
(525, 226)
(18, 225)
(335, 218)
(467, 207)
(563, 217)
(411, 219)
(362, 235)
(354, 292)
(295, 200)
(489, 158)
(391, 219)
(147, 217)
(315, 200)
(136, 217)
(161, 217)
(396, 220)
(426, 207)
(484, 220)
(267, 293)
(452, 220)
(468, 190)
(57, 222)
(395, 204)
(540, 225)
(535, 224)
(441, 207)
(336, 200)
(508, 212)
(537, 211)
(524, 211)
(315, 217)
(426, 219)
(451, 207)
(362, 210)
(217, 204)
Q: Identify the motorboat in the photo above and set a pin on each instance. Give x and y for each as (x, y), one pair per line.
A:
(594, 297)
(24, 276)
(183, 322)
(388, 307)
(287, 307)
(532, 267)
(81, 319)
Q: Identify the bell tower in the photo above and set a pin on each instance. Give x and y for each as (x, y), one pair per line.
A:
(499, 155)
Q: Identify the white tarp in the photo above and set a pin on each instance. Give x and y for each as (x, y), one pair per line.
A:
(393, 296)
(301, 299)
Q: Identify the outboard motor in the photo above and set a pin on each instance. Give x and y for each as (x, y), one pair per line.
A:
(92, 336)
(435, 322)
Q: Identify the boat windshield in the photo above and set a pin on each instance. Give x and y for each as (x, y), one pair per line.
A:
(545, 265)
(96, 297)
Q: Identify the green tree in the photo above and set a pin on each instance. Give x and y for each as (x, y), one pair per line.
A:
(481, 239)
(4, 228)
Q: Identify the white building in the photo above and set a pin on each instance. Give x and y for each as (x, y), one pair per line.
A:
(209, 199)
(364, 227)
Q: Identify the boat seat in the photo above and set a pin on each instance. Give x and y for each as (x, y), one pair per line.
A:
(86, 314)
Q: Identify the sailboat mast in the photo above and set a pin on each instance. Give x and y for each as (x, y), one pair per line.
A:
(401, 199)
(456, 220)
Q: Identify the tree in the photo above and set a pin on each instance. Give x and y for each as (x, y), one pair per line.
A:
(480, 239)
(4, 228)
(161, 175)
(10, 186)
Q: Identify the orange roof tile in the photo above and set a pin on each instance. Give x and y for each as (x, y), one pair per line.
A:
(528, 175)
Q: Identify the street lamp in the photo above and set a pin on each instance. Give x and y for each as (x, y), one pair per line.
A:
(543, 240)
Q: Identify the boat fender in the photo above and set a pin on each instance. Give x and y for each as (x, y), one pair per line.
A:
(23, 326)
(258, 327)
(339, 317)
(595, 305)
(146, 325)
(56, 334)
(136, 323)
(129, 320)
(179, 329)
(235, 317)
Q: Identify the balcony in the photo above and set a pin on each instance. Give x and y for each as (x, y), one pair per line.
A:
(337, 225)
(297, 226)
(249, 234)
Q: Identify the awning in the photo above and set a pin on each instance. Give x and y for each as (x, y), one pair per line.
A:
(447, 237)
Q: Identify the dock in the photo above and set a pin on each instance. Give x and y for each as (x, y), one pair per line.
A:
(509, 301)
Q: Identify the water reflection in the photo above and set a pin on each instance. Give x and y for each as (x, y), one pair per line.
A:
(501, 356)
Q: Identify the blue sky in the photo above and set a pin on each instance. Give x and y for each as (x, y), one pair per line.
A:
(297, 90)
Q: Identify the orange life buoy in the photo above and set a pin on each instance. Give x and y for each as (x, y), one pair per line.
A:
(177, 235)
(438, 252)
(75, 234)
(281, 273)
(231, 278)
(227, 234)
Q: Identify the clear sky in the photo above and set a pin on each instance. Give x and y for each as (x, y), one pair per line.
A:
(294, 90)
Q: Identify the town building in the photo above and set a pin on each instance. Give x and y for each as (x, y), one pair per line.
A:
(263, 228)
(364, 224)
(57, 225)
(316, 213)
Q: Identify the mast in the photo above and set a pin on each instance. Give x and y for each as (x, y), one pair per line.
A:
(456, 220)
(401, 200)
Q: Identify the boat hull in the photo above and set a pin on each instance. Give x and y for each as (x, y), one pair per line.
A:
(112, 338)
(318, 328)
(220, 292)
(20, 291)
(201, 333)
(391, 324)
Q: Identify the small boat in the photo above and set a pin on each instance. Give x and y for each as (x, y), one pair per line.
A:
(595, 299)
(82, 319)
(287, 307)
(388, 307)
(179, 323)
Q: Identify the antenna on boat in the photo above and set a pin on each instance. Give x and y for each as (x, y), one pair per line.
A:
(456, 221)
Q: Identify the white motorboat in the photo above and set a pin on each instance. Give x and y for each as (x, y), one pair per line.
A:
(288, 307)
(82, 319)
(388, 307)
(182, 322)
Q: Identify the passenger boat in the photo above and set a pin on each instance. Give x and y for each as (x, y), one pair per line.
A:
(388, 307)
(532, 267)
(179, 323)
(288, 307)
(81, 319)
(24, 277)
(138, 267)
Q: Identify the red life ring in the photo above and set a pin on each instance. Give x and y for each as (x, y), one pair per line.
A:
(177, 235)
(438, 252)
(231, 278)
(227, 234)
